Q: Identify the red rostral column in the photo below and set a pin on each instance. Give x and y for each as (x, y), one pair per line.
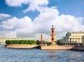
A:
(41, 37)
(53, 34)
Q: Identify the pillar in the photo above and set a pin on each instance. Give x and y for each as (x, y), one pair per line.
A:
(53, 35)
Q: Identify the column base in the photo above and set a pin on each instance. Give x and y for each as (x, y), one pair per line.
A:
(53, 43)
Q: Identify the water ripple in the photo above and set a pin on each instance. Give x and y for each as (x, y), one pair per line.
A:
(37, 55)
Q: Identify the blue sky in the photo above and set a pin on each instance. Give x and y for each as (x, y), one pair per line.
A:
(38, 15)
(72, 7)
(16, 11)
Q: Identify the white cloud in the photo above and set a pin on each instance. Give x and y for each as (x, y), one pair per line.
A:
(69, 23)
(32, 4)
(63, 23)
(37, 5)
(16, 3)
(2, 15)
(10, 34)
(7, 34)
(10, 23)
(25, 27)
(46, 19)
(15, 23)
(19, 26)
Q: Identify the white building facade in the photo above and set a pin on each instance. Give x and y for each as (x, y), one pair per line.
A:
(74, 37)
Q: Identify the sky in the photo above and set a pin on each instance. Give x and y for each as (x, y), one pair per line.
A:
(30, 18)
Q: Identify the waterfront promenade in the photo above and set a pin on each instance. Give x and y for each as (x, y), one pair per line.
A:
(63, 47)
(21, 46)
(55, 47)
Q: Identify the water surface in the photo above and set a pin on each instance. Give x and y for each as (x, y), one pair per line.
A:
(37, 55)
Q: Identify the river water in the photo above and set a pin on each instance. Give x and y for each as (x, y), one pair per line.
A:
(37, 55)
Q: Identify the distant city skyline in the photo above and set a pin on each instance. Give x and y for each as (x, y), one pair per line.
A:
(30, 18)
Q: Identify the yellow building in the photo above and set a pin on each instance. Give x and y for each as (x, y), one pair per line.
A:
(74, 37)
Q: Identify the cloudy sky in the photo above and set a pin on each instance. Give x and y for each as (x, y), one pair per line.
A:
(30, 18)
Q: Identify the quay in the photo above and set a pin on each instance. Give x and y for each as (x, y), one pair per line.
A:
(63, 47)
(57, 47)
(21, 46)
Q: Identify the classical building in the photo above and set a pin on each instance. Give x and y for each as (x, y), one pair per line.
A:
(74, 37)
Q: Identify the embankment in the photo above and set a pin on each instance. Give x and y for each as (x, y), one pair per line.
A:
(63, 47)
(56, 47)
(21, 46)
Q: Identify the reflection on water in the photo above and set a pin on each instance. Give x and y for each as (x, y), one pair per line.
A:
(37, 55)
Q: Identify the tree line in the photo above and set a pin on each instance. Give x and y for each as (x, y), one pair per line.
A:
(30, 42)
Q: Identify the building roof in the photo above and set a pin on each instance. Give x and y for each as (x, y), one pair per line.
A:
(78, 32)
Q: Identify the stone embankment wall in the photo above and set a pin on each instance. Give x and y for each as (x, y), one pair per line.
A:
(21, 46)
(57, 47)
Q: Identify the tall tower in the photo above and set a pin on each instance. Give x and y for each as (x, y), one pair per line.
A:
(53, 35)
(41, 37)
